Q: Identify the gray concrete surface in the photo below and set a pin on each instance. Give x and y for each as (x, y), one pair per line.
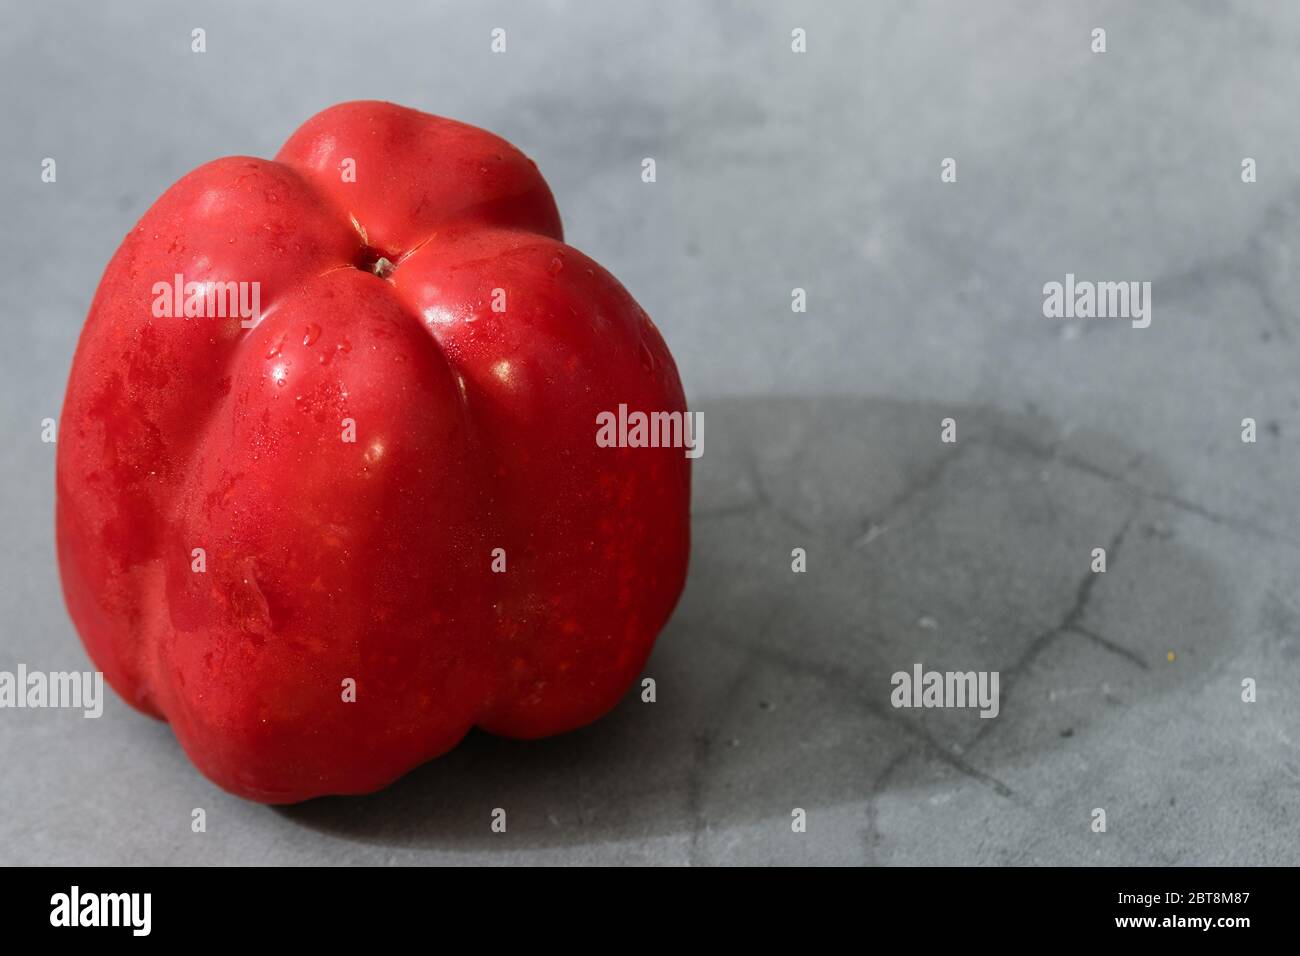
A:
(778, 170)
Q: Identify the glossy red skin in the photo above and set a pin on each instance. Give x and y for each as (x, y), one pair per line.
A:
(370, 560)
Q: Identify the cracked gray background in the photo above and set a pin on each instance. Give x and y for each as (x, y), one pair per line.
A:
(775, 171)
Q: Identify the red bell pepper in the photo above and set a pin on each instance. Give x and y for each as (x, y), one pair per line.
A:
(329, 488)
